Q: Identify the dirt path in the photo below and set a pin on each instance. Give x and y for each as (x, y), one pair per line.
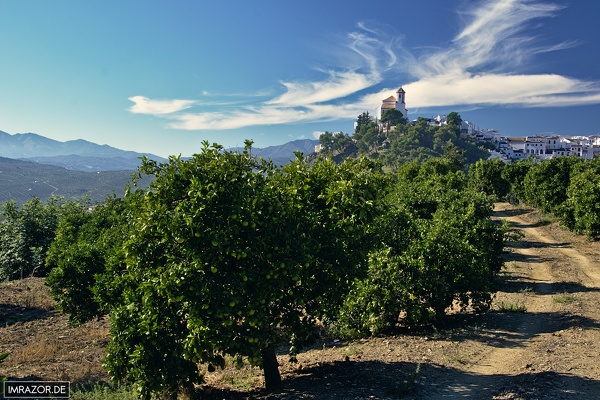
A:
(546, 343)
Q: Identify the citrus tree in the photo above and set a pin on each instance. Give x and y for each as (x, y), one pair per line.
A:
(546, 183)
(438, 248)
(26, 233)
(228, 256)
(582, 207)
(514, 173)
(486, 176)
(85, 260)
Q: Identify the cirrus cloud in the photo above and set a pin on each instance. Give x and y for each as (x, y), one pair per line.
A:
(144, 105)
(481, 66)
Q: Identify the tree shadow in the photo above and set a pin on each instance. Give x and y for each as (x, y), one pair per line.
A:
(520, 225)
(410, 380)
(513, 330)
(537, 245)
(524, 258)
(518, 284)
(446, 382)
(11, 314)
(511, 213)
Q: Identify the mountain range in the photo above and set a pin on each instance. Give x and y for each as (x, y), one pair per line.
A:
(33, 165)
(284, 153)
(79, 155)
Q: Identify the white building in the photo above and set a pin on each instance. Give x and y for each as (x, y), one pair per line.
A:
(488, 136)
(394, 103)
(546, 147)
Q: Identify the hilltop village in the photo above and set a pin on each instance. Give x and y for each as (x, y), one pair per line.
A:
(506, 148)
(540, 147)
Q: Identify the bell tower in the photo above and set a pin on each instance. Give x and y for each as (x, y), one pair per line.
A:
(401, 103)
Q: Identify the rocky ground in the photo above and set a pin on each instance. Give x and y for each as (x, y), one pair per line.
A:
(540, 341)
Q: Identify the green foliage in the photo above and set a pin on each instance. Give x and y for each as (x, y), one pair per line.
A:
(363, 119)
(375, 302)
(564, 298)
(546, 183)
(486, 176)
(395, 142)
(439, 248)
(454, 120)
(227, 255)
(567, 187)
(85, 261)
(514, 174)
(368, 137)
(26, 234)
(337, 145)
(392, 117)
(581, 211)
(421, 142)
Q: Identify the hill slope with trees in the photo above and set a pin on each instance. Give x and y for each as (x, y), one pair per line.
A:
(395, 141)
(23, 180)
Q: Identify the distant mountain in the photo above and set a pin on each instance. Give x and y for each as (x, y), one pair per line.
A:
(79, 155)
(90, 163)
(284, 153)
(22, 180)
(33, 165)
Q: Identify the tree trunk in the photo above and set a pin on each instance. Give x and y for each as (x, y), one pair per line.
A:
(271, 367)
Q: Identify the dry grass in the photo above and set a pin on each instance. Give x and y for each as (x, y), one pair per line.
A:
(38, 349)
(244, 379)
(28, 293)
(39, 340)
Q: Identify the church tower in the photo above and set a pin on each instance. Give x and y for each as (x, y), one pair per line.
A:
(401, 104)
(398, 103)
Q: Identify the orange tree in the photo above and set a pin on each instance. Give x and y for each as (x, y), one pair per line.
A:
(228, 255)
(581, 210)
(546, 183)
(85, 258)
(26, 233)
(438, 248)
(487, 176)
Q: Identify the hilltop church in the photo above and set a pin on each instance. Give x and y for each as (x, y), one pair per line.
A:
(391, 103)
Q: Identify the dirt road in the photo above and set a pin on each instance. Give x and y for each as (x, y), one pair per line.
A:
(546, 342)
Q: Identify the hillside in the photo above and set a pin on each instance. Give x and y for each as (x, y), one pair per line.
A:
(79, 155)
(89, 163)
(284, 153)
(21, 180)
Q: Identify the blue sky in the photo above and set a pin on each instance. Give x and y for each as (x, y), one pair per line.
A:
(162, 76)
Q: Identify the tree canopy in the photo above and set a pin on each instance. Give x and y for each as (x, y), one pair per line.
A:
(226, 254)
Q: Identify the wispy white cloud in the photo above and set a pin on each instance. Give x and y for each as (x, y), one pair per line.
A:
(339, 85)
(144, 105)
(481, 66)
(497, 89)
